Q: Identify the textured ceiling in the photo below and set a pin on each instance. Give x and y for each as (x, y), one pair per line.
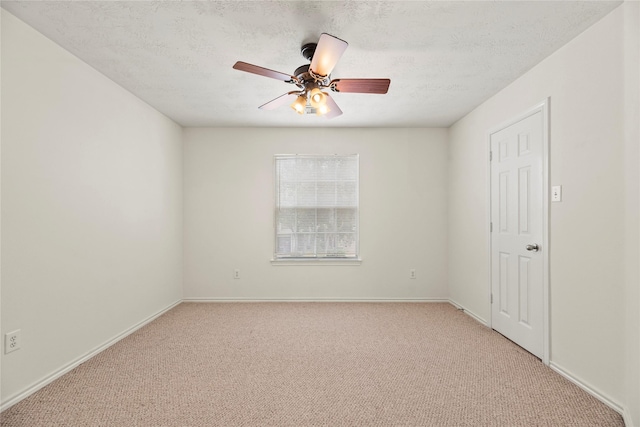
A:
(443, 58)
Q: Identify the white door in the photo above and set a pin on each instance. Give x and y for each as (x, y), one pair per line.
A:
(517, 266)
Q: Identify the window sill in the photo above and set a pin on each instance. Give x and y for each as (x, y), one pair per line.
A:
(317, 261)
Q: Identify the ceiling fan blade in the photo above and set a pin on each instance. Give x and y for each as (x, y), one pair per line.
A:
(287, 98)
(328, 52)
(379, 86)
(334, 110)
(261, 71)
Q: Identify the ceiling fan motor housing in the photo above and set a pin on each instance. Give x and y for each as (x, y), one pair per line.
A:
(307, 50)
(307, 80)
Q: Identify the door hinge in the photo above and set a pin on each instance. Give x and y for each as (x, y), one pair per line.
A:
(491, 298)
(491, 227)
(490, 155)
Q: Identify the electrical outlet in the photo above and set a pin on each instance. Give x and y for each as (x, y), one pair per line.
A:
(412, 273)
(11, 341)
(236, 274)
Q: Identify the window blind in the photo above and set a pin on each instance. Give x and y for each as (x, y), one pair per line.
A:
(316, 213)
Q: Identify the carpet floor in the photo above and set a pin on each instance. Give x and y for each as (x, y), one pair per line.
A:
(312, 364)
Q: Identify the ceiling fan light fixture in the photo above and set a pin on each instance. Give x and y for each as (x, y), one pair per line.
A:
(300, 104)
(317, 98)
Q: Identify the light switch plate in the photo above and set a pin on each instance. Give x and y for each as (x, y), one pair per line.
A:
(556, 193)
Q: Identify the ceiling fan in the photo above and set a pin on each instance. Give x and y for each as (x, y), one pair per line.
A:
(312, 79)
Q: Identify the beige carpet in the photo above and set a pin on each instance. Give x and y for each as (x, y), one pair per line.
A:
(312, 364)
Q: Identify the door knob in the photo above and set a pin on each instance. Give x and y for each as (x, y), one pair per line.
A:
(533, 248)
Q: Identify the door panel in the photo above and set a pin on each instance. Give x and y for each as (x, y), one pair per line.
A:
(517, 210)
(524, 204)
(523, 287)
(503, 300)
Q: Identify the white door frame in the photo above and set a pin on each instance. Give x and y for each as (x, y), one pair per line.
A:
(544, 108)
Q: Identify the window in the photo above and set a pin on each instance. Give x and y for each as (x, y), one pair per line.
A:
(316, 214)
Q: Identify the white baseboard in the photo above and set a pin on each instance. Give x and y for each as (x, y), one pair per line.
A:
(589, 389)
(468, 312)
(60, 372)
(234, 299)
(626, 417)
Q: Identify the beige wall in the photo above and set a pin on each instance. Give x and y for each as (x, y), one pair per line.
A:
(91, 208)
(632, 209)
(585, 82)
(228, 214)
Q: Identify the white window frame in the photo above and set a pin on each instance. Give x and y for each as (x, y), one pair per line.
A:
(279, 259)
